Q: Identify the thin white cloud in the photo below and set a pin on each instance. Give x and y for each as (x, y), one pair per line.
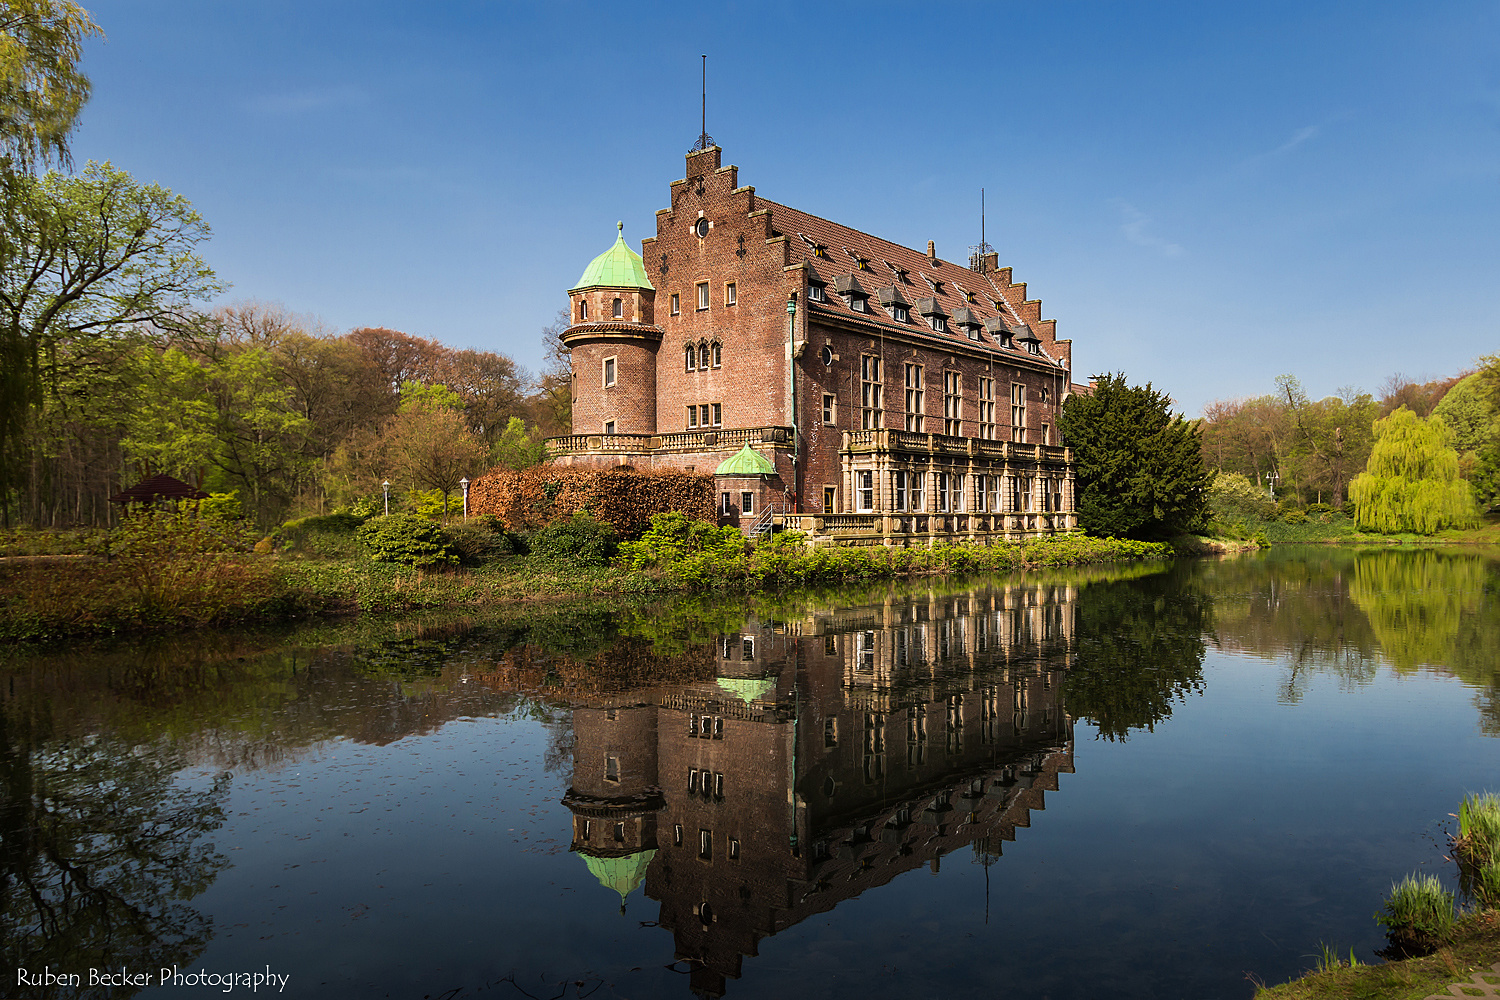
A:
(304, 101)
(1134, 227)
(1297, 139)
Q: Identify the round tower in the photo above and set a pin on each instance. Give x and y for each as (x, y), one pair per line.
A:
(614, 341)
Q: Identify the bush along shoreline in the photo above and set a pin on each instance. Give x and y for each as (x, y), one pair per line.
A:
(170, 570)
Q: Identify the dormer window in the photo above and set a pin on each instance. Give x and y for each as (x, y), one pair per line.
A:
(815, 293)
(894, 303)
(618, 309)
(967, 322)
(852, 292)
(1030, 340)
(933, 313)
(999, 329)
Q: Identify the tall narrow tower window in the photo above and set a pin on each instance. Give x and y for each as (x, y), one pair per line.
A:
(619, 309)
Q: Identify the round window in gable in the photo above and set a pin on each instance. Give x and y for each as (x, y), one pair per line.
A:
(827, 357)
(701, 228)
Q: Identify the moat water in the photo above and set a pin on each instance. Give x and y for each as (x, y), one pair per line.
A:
(1165, 781)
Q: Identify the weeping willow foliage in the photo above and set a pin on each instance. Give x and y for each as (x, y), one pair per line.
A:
(1432, 609)
(1411, 482)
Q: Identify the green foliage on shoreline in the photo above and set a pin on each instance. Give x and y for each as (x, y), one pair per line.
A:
(87, 596)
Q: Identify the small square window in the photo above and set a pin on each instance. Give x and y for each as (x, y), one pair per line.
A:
(609, 371)
(815, 293)
(609, 426)
(676, 304)
(747, 502)
(857, 304)
(730, 296)
(702, 295)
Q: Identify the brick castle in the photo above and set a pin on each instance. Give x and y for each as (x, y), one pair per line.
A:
(859, 390)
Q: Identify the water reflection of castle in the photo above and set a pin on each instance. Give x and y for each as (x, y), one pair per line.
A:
(831, 755)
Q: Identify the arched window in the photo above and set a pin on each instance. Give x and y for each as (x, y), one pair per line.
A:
(619, 309)
(583, 310)
(718, 350)
(690, 356)
(703, 356)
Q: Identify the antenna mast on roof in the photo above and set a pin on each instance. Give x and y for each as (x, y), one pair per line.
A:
(704, 139)
(979, 259)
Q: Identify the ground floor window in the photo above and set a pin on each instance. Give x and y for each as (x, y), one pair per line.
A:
(830, 498)
(747, 502)
(898, 484)
(864, 487)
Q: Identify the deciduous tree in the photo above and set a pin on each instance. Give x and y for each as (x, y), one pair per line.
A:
(1411, 482)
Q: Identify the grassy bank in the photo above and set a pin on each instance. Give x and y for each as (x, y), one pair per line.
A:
(1473, 946)
(59, 598)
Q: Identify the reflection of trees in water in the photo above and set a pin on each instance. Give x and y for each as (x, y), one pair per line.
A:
(101, 852)
(1342, 612)
(1436, 609)
(1139, 649)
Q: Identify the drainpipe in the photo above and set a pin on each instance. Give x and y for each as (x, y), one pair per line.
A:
(791, 371)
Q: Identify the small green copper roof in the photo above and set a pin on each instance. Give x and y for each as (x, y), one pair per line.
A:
(748, 689)
(617, 267)
(746, 462)
(622, 875)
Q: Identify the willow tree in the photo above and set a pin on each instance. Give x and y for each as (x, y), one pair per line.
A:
(1411, 482)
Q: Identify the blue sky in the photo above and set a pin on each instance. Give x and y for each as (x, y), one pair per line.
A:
(1203, 195)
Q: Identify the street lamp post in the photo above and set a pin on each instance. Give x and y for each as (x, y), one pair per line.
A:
(1271, 478)
(386, 486)
(464, 483)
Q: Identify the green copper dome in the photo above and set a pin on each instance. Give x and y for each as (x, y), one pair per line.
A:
(746, 462)
(617, 267)
(623, 875)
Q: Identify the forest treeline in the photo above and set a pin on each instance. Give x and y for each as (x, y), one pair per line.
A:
(1311, 451)
(293, 419)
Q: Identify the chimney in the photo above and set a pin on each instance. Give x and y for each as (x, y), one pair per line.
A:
(931, 253)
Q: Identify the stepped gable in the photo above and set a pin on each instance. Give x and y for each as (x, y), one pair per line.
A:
(884, 260)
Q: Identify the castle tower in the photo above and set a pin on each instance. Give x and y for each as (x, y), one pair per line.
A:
(614, 342)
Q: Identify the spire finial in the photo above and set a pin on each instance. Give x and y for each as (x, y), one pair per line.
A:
(704, 139)
(621, 227)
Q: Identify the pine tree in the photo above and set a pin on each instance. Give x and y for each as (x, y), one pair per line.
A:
(1139, 466)
(1411, 482)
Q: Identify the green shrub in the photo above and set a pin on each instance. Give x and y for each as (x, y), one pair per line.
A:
(178, 564)
(323, 536)
(477, 541)
(1294, 516)
(1477, 847)
(407, 539)
(579, 541)
(1233, 497)
(1418, 914)
(674, 536)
